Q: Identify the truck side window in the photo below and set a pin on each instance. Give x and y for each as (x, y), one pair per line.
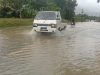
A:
(58, 18)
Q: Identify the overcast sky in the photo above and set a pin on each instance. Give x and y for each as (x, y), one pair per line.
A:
(90, 7)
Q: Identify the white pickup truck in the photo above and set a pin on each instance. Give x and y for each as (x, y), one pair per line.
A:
(47, 21)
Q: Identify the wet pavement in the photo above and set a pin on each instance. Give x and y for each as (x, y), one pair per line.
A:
(75, 51)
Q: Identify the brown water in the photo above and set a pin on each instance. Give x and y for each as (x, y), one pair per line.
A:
(75, 51)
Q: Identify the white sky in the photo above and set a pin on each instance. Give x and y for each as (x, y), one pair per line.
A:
(90, 7)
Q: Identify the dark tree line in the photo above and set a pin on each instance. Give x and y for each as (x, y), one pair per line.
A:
(29, 8)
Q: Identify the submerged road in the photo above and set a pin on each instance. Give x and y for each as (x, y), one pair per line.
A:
(74, 51)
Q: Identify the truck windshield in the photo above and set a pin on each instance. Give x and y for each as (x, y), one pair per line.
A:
(46, 16)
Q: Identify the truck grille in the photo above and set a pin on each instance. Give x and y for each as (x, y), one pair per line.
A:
(43, 25)
(43, 29)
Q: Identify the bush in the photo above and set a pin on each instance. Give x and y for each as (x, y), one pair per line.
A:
(9, 22)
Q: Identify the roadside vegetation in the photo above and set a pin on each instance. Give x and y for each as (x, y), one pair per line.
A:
(29, 8)
(11, 9)
(10, 22)
(83, 17)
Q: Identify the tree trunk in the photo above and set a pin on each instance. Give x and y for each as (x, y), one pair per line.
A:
(20, 14)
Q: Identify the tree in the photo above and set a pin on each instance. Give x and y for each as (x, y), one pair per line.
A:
(67, 8)
(4, 8)
(18, 6)
(29, 8)
(70, 8)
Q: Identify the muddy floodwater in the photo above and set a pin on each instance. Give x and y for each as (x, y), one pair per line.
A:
(75, 51)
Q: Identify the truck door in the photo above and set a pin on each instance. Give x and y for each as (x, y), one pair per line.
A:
(58, 20)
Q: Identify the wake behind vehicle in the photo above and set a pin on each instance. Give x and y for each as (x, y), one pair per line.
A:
(47, 21)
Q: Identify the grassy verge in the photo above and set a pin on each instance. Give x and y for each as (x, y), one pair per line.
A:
(10, 22)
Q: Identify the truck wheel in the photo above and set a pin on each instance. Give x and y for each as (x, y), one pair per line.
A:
(59, 29)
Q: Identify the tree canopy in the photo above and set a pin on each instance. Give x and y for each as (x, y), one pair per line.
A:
(29, 8)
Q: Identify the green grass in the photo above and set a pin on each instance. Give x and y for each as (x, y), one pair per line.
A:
(10, 22)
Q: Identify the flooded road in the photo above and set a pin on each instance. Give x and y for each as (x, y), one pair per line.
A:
(75, 51)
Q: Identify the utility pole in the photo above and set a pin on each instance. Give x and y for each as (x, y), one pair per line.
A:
(21, 9)
(82, 12)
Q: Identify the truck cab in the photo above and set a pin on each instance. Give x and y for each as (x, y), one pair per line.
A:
(47, 21)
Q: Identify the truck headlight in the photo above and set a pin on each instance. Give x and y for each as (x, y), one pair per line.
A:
(53, 26)
(35, 25)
